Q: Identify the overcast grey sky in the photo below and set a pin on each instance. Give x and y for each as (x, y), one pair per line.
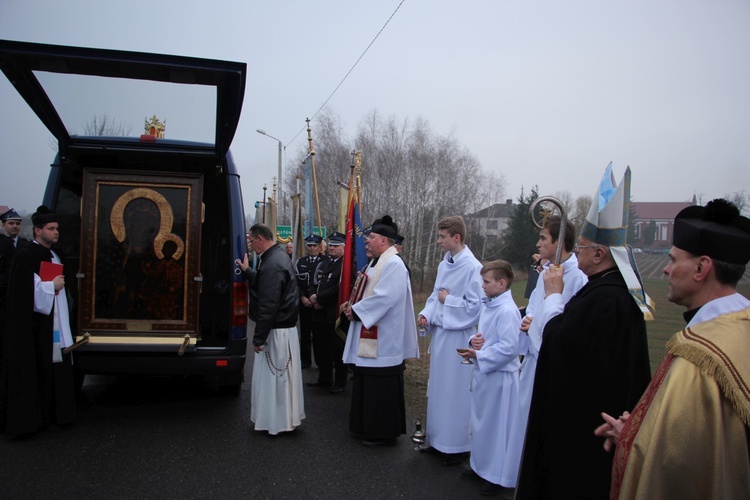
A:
(542, 92)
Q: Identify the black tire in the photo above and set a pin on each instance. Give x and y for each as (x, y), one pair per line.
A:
(231, 385)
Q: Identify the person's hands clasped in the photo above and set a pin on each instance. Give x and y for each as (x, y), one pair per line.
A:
(477, 341)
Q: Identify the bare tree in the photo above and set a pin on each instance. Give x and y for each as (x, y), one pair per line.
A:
(567, 201)
(408, 172)
(580, 211)
(739, 198)
(104, 125)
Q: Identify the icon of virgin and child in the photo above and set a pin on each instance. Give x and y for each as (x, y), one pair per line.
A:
(140, 254)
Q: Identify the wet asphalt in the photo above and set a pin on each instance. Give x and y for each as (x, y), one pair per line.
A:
(165, 437)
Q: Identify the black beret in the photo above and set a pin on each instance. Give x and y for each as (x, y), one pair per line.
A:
(717, 230)
(43, 216)
(385, 227)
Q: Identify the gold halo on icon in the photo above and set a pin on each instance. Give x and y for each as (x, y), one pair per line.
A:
(166, 219)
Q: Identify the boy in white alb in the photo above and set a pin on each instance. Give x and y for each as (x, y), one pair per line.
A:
(494, 385)
(452, 313)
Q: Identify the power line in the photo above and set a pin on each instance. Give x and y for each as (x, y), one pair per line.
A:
(348, 72)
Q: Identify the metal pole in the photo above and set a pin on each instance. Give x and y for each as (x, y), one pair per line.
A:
(280, 198)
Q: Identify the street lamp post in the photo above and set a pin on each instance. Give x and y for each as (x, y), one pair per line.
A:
(280, 200)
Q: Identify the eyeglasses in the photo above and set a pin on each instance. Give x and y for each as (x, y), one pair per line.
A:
(577, 247)
(312, 244)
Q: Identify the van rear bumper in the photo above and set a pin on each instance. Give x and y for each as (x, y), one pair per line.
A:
(125, 359)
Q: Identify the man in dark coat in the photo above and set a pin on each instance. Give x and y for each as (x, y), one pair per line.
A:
(37, 379)
(276, 401)
(594, 355)
(327, 345)
(10, 239)
(306, 281)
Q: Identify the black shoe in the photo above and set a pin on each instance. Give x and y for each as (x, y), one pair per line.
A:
(429, 449)
(379, 442)
(469, 474)
(454, 458)
(336, 389)
(318, 384)
(491, 489)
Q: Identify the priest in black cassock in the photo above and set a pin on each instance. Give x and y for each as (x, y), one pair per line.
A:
(37, 387)
(594, 355)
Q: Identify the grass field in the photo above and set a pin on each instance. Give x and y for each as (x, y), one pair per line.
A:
(668, 320)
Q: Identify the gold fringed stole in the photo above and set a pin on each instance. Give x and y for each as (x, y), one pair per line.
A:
(719, 347)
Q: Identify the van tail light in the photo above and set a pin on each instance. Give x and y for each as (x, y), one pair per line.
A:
(239, 318)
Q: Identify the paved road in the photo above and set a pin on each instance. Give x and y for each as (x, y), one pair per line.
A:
(142, 437)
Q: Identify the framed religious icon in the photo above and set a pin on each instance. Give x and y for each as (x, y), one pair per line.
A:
(140, 253)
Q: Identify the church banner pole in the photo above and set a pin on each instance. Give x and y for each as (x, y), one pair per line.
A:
(314, 176)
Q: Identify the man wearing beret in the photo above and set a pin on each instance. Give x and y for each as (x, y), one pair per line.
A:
(37, 378)
(382, 334)
(688, 435)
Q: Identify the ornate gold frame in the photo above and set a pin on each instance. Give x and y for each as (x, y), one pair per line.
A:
(132, 282)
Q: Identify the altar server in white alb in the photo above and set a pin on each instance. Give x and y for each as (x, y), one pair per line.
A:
(381, 335)
(494, 385)
(452, 312)
(532, 326)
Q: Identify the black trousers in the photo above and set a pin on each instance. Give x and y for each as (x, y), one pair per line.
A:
(328, 348)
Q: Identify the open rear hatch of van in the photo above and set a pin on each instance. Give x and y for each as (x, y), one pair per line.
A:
(140, 254)
(61, 83)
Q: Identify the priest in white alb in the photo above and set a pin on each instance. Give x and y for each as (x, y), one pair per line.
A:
(381, 335)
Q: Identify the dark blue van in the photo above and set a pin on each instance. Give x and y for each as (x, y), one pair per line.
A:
(150, 225)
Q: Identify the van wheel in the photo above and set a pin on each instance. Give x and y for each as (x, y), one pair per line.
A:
(231, 385)
(230, 389)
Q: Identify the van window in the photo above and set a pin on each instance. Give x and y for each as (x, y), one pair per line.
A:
(81, 98)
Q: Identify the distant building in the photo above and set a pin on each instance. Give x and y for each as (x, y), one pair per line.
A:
(491, 221)
(661, 214)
